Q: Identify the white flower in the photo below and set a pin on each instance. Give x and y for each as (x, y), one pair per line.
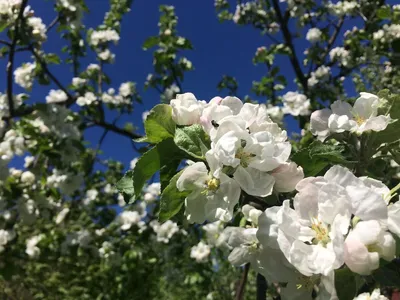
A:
(28, 178)
(61, 215)
(24, 75)
(38, 28)
(376, 295)
(104, 36)
(169, 92)
(78, 82)
(186, 109)
(164, 231)
(200, 252)
(365, 245)
(88, 99)
(31, 245)
(287, 176)
(341, 55)
(129, 218)
(126, 89)
(363, 116)
(28, 161)
(90, 196)
(213, 195)
(311, 235)
(216, 110)
(152, 192)
(296, 104)
(251, 213)
(5, 237)
(106, 55)
(394, 218)
(275, 113)
(56, 96)
(213, 231)
(314, 35)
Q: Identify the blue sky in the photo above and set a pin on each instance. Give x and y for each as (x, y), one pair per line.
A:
(220, 48)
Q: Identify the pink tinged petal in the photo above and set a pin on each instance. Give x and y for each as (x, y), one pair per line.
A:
(357, 257)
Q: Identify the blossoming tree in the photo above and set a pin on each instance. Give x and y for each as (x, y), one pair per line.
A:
(218, 198)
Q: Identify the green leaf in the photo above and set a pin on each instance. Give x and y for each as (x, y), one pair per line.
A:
(193, 140)
(168, 171)
(52, 59)
(172, 200)
(384, 12)
(317, 156)
(125, 187)
(347, 284)
(152, 161)
(388, 275)
(159, 124)
(150, 42)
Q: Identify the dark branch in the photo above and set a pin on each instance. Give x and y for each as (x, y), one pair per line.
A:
(283, 22)
(261, 287)
(114, 128)
(242, 284)
(332, 40)
(43, 64)
(10, 64)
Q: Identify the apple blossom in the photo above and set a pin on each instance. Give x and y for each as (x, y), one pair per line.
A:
(365, 245)
(296, 104)
(200, 252)
(363, 116)
(186, 109)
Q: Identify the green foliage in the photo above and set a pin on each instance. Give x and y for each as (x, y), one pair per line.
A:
(159, 124)
(347, 284)
(125, 187)
(388, 275)
(193, 140)
(171, 200)
(317, 156)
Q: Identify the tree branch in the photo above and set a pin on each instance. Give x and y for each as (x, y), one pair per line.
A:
(283, 22)
(114, 128)
(332, 40)
(10, 64)
(261, 287)
(43, 64)
(242, 284)
(53, 23)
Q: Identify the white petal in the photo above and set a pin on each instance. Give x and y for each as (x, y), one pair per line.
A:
(254, 182)
(193, 177)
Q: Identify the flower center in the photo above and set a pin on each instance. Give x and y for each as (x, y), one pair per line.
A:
(213, 184)
(359, 120)
(321, 233)
(244, 156)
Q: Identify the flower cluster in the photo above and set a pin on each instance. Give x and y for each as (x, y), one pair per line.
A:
(341, 117)
(248, 152)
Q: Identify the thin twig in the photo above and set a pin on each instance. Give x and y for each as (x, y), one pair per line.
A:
(53, 23)
(262, 287)
(10, 64)
(283, 21)
(116, 129)
(331, 41)
(242, 284)
(43, 64)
